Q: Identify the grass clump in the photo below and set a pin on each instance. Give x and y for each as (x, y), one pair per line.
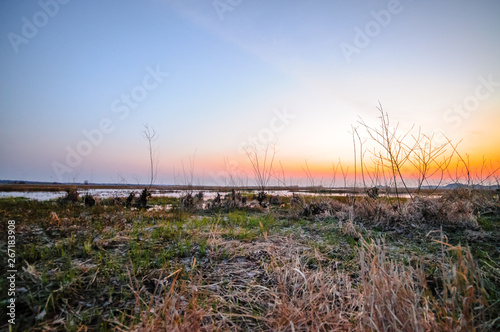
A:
(397, 297)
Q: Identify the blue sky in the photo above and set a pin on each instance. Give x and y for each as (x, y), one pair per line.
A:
(226, 68)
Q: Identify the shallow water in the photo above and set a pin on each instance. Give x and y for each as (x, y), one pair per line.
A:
(108, 193)
(36, 195)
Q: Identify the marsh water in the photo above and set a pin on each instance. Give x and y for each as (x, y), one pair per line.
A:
(207, 194)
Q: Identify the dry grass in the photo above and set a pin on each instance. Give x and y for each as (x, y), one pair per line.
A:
(268, 286)
(321, 299)
(260, 286)
(463, 302)
(172, 306)
(392, 293)
(136, 270)
(396, 297)
(417, 211)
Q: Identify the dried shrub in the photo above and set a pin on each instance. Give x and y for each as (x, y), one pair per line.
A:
(459, 213)
(191, 202)
(457, 194)
(130, 199)
(71, 195)
(233, 204)
(372, 193)
(311, 209)
(486, 202)
(324, 207)
(217, 199)
(117, 201)
(233, 200)
(142, 202)
(89, 200)
(254, 205)
(297, 201)
(422, 210)
(214, 204)
(187, 201)
(275, 200)
(260, 197)
(372, 212)
(416, 211)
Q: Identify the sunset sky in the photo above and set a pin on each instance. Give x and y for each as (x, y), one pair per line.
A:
(79, 79)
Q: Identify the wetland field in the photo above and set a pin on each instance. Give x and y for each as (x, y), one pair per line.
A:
(241, 260)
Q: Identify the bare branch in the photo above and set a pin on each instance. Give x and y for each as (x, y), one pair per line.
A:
(150, 136)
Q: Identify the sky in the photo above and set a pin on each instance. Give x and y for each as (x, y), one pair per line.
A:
(80, 79)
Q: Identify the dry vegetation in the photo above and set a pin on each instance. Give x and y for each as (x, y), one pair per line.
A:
(236, 263)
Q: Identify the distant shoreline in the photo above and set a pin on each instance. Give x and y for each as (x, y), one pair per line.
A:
(21, 186)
